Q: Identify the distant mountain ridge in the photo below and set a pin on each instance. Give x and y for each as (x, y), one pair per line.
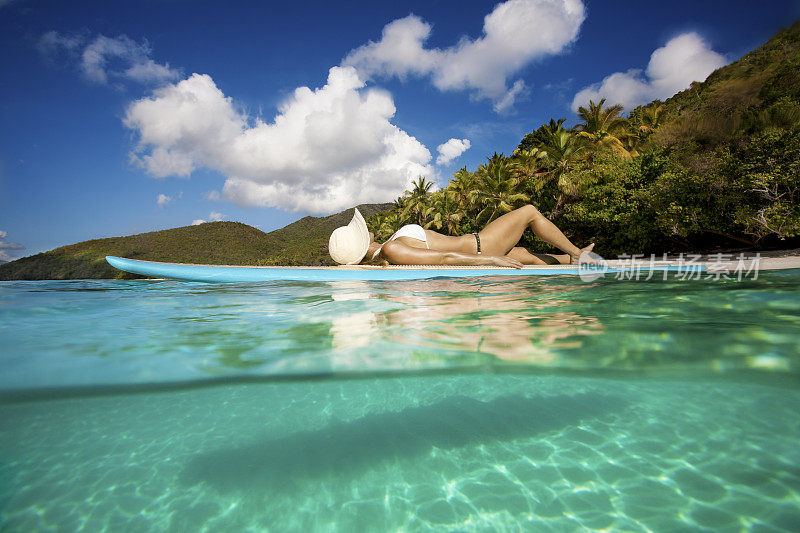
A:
(304, 242)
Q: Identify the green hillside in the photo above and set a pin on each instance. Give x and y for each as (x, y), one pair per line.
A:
(758, 91)
(714, 167)
(303, 242)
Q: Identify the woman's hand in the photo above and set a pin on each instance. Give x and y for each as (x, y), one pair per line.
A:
(503, 261)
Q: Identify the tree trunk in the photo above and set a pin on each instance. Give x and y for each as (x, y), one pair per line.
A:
(558, 208)
(494, 212)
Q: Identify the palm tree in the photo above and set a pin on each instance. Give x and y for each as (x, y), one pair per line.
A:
(418, 200)
(401, 202)
(603, 128)
(642, 124)
(461, 186)
(528, 164)
(650, 119)
(563, 150)
(496, 161)
(375, 222)
(498, 191)
(632, 143)
(552, 127)
(391, 223)
(534, 139)
(444, 212)
(401, 206)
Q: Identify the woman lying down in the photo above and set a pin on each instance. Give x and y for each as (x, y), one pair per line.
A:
(494, 245)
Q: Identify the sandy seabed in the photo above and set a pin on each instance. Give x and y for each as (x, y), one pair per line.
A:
(463, 453)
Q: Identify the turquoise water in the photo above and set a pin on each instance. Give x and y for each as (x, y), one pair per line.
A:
(462, 405)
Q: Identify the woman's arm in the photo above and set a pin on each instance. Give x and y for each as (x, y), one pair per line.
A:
(400, 254)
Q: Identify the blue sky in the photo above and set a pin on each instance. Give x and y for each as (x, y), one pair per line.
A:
(124, 117)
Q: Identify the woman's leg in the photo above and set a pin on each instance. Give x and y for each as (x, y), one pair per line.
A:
(529, 258)
(503, 233)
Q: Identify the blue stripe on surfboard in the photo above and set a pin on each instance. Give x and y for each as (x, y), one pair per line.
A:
(223, 273)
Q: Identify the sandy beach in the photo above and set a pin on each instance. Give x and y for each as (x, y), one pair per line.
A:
(722, 261)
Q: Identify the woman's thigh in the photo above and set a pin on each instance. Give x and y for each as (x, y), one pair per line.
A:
(527, 258)
(503, 233)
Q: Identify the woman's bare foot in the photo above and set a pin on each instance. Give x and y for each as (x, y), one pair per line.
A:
(574, 258)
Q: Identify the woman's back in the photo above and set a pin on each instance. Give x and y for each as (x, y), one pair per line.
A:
(416, 236)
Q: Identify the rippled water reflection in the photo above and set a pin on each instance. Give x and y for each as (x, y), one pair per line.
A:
(90, 332)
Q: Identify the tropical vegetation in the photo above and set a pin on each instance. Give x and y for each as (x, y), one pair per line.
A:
(715, 166)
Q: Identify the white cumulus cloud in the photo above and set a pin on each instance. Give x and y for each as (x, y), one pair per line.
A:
(106, 59)
(451, 149)
(4, 245)
(672, 68)
(515, 33)
(327, 149)
(214, 216)
(163, 200)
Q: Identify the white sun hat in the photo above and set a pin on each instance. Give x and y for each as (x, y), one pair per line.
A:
(348, 244)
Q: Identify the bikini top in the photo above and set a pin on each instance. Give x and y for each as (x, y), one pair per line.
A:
(415, 231)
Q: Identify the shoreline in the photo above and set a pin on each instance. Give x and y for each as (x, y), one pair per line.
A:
(768, 259)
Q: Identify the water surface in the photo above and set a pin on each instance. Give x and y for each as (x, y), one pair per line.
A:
(460, 405)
